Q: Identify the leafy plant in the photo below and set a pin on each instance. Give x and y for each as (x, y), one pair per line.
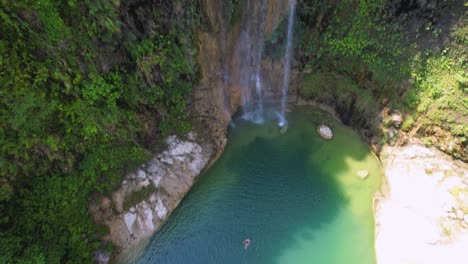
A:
(77, 98)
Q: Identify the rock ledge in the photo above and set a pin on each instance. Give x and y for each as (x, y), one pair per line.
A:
(147, 196)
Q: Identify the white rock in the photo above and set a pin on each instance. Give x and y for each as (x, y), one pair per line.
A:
(161, 210)
(144, 183)
(153, 198)
(465, 225)
(465, 219)
(197, 164)
(129, 221)
(416, 206)
(397, 119)
(325, 132)
(157, 181)
(148, 219)
(171, 141)
(452, 215)
(141, 175)
(461, 196)
(182, 148)
(197, 149)
(173, 170)
(460, 214)
(181, 158)
(101, 257)
(167, 159)
(153, 168)
(191, 136)
(363, 174)
(145, 219)
(414, 151)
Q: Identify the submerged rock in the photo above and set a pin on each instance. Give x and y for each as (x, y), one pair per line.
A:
(283, 129)
(363, 174)
(325, 132)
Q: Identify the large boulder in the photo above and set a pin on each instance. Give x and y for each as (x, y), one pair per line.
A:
(325, 132)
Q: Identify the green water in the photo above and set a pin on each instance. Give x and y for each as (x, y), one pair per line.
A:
(295, 195)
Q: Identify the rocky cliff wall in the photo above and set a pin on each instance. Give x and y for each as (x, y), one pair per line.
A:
(147, 196)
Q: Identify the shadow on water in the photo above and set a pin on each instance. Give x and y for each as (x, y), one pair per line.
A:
(271, 188)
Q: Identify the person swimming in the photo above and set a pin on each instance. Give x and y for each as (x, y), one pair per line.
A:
(246, 243)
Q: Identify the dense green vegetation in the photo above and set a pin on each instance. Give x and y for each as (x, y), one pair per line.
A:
(357, 32)
(439, 97)
(85, 87)
(88, 87)
(361, 56)
(355, 56)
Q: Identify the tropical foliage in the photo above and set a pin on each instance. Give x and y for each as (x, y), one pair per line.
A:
(82, 85)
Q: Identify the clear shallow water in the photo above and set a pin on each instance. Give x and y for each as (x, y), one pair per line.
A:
(295, 195)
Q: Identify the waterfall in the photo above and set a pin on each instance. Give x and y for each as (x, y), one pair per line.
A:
(287, 63)
(258, 66)
(250, 49)
(246, 64)
(245, 47)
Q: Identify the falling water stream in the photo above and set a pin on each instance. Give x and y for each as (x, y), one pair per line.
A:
(251, 46)
(295, 195)
(258, 62)
(287, 63)
(250, 50)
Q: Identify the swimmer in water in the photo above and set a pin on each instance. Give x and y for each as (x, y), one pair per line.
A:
(246, 243)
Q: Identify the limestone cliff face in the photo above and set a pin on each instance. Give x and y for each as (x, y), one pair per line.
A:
(148, 195)
(220, 55)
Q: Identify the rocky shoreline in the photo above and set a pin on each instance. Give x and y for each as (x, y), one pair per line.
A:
(147, 196)
(421, 209)
(421, 212)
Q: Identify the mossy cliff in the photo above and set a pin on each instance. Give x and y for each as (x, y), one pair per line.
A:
(392, 69)
(88, 88)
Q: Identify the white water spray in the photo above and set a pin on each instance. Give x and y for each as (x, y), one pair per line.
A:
(258, 62)
(287, 63)
(250, 50)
